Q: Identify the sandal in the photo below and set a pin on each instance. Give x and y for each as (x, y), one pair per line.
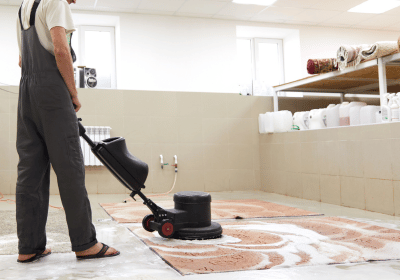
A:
(35, 257)
(100, 254)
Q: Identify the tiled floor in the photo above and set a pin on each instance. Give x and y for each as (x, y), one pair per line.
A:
(137, 261)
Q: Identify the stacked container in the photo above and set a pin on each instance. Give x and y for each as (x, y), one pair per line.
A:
(344, 112)
(368, 114)
(317, 119)
(332, 115)
(271, 122)
(300, 120)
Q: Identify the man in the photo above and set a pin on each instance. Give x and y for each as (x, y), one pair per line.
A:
(47, 132)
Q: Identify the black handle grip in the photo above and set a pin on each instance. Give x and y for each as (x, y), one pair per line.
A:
(82, 130)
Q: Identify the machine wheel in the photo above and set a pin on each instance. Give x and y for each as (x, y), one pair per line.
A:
(166, 229)
(146, 222)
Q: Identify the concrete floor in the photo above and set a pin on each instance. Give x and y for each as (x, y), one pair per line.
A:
(137, 261)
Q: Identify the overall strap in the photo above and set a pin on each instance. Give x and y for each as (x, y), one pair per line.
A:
(33, 12)
(19, 15)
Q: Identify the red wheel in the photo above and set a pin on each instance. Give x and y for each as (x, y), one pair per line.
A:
(146, 222)
(166, 229)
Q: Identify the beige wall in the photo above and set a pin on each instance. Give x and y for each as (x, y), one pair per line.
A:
(350, 166)
(214, 135)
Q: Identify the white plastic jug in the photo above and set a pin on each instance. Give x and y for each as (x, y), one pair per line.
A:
(283, 121)
(344, 112)
(300, 119)
(368, 114)
(386, 114)
(266, 123)
(261, 123)
(332, 115)
(378, 116)
(355, 114)
(317, 119)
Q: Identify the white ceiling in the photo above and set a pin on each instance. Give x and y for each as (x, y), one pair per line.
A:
(306, 12)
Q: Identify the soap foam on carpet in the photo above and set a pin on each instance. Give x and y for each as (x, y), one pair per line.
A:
(250, 245)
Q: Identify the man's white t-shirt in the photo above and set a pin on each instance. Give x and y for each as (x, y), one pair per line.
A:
(50, 13)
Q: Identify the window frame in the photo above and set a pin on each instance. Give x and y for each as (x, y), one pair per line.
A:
(254, 41)
(82, 48)
(255, 49)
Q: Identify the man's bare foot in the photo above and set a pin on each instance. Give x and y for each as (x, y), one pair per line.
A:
(23, 257)
(94, 250)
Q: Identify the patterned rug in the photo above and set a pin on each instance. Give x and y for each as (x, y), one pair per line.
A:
(133, 212)
(322, 65)
(56, 229)
(348, 56)
(251, 245)
(379, 49)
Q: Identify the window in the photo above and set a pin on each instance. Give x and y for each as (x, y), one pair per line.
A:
(260, 64)
(95, 48)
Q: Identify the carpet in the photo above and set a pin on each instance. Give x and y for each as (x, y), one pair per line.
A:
(320, 66)
(133, 212)
(348, 56)
(379, 49)
(353, 55)
(56, 229)
(256, 245)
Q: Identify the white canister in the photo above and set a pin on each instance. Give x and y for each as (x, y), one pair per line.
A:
(317, 119)
(354, 113)
(261, 123)
(344, 112)
(283, 121)
(378, 117)
(368, 114)
(265, 123)
(386, 114)
(332, 115)
(300, 120)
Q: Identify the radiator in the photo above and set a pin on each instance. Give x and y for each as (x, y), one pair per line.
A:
(96, 133)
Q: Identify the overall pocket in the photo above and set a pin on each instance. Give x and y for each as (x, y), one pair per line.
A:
(75, 153)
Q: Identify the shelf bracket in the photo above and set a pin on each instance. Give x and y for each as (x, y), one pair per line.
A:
(382, 81)
(275, 101)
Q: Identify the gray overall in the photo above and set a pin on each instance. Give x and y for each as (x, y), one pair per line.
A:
(47, 132)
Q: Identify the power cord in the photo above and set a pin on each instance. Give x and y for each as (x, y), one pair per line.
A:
(2, 199)
(7, 90)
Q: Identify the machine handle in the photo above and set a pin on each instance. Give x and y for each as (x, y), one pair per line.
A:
(82, 130)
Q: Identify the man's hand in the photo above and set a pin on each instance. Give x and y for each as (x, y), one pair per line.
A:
(20, 61)
(76, 101)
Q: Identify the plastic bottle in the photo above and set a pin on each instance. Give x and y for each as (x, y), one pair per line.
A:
(395, 109)
(300, 120)
(378, 117)
(332, 115)
(355, 114)
(386, 111)
(317, 119)
(344, 111)
(368, 114)
(282, 121)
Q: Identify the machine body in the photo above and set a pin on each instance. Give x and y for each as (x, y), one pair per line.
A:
(191, 217)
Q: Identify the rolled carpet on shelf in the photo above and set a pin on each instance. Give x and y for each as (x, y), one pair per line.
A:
(379, 49)
(322, 65)
(349, 55)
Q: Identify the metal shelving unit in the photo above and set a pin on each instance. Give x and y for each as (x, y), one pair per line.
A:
(376, 77)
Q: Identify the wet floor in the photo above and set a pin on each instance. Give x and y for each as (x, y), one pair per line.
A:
(137, 261)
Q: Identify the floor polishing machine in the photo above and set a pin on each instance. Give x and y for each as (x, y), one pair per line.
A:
(191, 217)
